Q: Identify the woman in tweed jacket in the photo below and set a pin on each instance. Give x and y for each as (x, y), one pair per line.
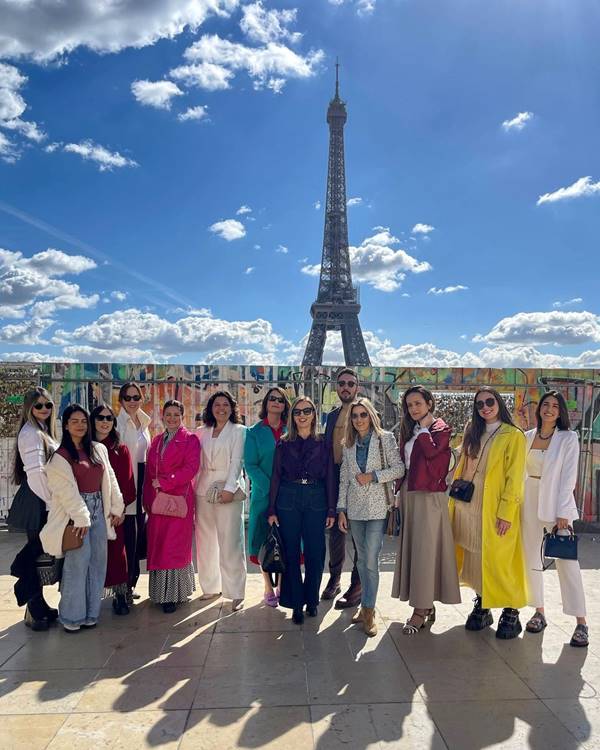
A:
(370, 465)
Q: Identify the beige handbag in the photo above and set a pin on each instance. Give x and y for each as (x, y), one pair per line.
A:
(213, 494)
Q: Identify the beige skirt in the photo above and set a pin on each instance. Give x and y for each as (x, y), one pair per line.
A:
(426, 561)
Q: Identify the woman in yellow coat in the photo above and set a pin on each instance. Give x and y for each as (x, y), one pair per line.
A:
(487, 529)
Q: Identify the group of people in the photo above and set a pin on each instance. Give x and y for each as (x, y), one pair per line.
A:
(128, 497)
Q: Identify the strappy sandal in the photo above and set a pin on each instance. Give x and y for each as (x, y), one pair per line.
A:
(537, 623)
(427, 616)
(580, 637)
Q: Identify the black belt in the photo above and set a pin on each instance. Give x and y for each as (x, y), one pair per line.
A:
(306, 481)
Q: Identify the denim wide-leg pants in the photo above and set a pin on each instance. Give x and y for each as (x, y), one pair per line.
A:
(368, 538)
(84, 570)
(302, 511)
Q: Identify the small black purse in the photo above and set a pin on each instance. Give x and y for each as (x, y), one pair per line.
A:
(271, 556)
(462, 489)
(558, 547)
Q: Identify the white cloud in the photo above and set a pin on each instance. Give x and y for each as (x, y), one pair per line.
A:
(118, 295)
(447, 289)
(243, 210)
(8, 152)
(249, 270)
(230, 356)
(116, 354)
(376, 262)
(106, 160)
(12, 106)
(568, 303)
(229, 229)
(29, 332)
(44, 30)
(518, 122)
(156, 94)
(34, 357)
(354, 201)
(556, 327)
(317, 205)
(422, 229)
(193, 113)
(264, 26)
(282, 249)
(205, 76)
(581, 188)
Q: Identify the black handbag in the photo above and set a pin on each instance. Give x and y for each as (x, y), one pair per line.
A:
(557, 546)
(49, 569)
(271, 555)
(393, 525)
(463, 489)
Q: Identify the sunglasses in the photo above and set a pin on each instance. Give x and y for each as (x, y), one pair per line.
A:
(132, 398)
(104, 418)
(43, 405)
(489, 402)
(360, 415)
(279, 399)
(306, 411)
(349, 383)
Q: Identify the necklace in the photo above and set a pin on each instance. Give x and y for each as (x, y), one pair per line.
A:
(541, 437)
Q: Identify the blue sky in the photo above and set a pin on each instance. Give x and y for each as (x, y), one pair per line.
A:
(163, 170)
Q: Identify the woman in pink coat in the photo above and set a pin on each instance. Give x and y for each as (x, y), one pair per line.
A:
(172, 464)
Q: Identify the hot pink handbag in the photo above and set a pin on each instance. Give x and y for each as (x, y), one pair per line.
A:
(168, 505)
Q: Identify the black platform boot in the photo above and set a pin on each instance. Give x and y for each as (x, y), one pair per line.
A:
(479, 619)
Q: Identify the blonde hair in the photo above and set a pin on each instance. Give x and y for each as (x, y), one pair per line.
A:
(351, 432)
(292, 432)
(28, 417)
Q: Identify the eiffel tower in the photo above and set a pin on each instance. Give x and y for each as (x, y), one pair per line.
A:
(336, 307)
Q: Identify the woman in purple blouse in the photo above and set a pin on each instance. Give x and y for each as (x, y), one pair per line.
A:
(302, 503)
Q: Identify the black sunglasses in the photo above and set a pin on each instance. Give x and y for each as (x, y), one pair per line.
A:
(306, 411)
(349, 383)
(43, 405)
(279, 399)
(132, 398)
(489, 402)
(360, 414)
(104, 417)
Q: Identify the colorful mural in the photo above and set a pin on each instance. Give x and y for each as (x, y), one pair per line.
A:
(90, 384)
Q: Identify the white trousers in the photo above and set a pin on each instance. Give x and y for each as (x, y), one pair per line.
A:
(569, 572)
(220, 548)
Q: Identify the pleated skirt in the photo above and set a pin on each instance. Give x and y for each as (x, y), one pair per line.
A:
(425, 569)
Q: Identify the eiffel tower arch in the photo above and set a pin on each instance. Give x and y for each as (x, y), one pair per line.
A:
(337, 305)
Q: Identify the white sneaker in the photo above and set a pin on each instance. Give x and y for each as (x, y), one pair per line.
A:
(237, 604)
(89, 624)
(71, 628)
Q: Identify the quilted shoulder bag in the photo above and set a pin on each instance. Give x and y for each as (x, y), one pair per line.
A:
(165, 504)
(557, 546)
(462, 489)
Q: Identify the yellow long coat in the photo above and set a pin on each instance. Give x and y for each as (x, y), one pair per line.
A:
(504, 581)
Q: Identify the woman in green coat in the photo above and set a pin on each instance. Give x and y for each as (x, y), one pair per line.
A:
(259, 449)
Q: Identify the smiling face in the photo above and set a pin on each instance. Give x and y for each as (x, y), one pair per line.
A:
(361, 419)
(487, 406)
(303, 421)
(42, 409)
(172, 418)
(221, 409)
(103, 424)
(77, 426)
(132, 401)
(417, 407)
(346, 388)
(275, 404)
(550, 410)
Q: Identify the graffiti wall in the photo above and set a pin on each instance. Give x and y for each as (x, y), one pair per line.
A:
(90, 384)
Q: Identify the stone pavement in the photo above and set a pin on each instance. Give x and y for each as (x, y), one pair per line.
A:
(206, 678)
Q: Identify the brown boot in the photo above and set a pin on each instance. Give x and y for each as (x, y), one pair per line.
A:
(369, 625)
(359, 616)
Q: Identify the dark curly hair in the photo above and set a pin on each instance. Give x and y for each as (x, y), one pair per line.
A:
(286, 407)
(209, 418)
(86, 442)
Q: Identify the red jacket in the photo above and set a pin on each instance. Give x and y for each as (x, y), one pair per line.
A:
(429, 459)
(120, 460)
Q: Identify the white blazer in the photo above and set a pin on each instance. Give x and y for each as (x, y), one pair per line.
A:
(67, 504)
(221, 459)
(128, 433)
(559, 476)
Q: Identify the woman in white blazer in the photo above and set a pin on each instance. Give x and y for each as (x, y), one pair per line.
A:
(133, 427)
(220, 502)
(370, 465)
(550, 478)
(84, 491)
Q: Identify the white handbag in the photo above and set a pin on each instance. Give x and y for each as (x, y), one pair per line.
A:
(215, 490)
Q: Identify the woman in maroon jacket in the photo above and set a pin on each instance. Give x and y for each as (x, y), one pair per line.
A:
(426, 563)
(104, 430)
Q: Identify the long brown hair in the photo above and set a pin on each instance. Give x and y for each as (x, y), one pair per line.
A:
(407, 424)
(27, 417)
(476, 426)
(292, 432)
(563, 422)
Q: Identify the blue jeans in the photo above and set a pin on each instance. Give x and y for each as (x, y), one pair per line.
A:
(84, 569)
(368, 538)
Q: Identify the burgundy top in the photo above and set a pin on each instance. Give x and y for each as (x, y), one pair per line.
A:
(120, 460)
(87, 475)
(299, 459)
(430, 459)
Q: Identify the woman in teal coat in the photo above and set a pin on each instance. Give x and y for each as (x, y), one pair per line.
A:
(259, 449)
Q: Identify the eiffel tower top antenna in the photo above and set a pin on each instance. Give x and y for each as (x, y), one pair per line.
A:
(337, 78)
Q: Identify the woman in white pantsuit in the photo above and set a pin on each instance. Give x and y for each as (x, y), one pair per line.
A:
(220, 502)
(550, 478)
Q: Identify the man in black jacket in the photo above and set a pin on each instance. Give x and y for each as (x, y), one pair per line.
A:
(335, 429)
